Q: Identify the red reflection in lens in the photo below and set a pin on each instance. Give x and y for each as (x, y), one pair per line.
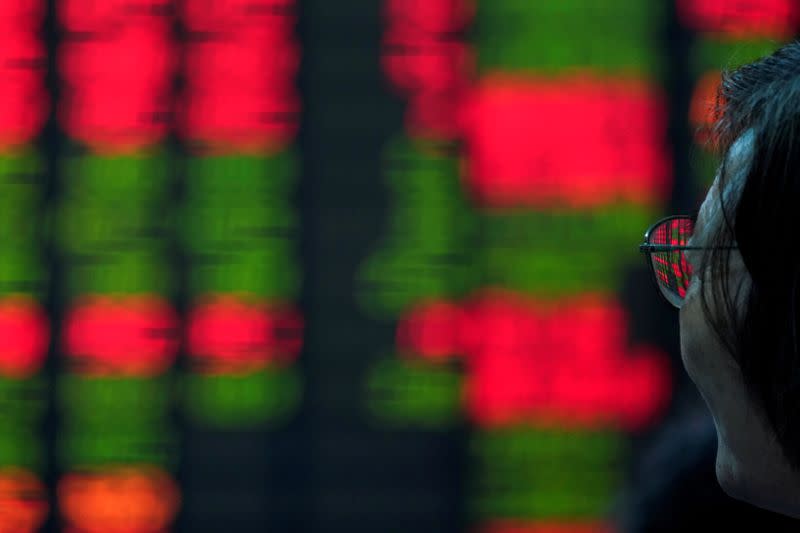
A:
(226, 334)
(577, 141)
(129, 335)
(23, 501)
(24, 336)
(120, 500)
(742, 18)
(527, 361)
(661, 272)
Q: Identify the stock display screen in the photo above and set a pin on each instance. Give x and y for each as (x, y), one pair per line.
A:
(358, 266)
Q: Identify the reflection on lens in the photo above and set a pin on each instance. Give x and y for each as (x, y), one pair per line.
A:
(672, 270)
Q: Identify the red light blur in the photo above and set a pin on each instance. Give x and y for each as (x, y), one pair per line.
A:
(26, 13)
(430, 16)
(229, 15)
(434, 75)
(119, 500)
(414, 64)
(576, 141)
(105, 17)
(117, 74)
(742, 18)
(23, 501)
(23, 100)
(545, 364)
(24, 336)
(425, 58)
(228, 334)
(702, 107)
(124, 335)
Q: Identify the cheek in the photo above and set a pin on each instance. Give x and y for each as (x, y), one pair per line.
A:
(697, 355)
(706, 361)
(700, 353)
(692, 339)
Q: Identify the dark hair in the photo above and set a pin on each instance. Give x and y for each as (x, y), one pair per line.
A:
(762, 100)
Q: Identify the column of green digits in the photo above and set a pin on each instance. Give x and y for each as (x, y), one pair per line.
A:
(561, 253)
(545, 475)
(425, 255)
(551, 36)
(112, 228)
(239, 231)
(112, 224)
(425, 252)
(23, 320)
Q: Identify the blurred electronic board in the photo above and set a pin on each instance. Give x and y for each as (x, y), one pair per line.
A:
(298, 265)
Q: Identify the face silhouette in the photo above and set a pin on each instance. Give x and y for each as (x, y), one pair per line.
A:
(750, 464)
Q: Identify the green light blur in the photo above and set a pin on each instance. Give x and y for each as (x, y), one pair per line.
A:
(413, 394)
(81, 446)
(98, 401)
(616, 37)
(229, 401)
(238, 227)
(21, 268)
(555, 254)
(111, 227)
(526, 473)
(22, 406)
(426, 249)
(436, 246)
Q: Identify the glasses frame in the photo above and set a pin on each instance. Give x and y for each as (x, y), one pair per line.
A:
(646, 248)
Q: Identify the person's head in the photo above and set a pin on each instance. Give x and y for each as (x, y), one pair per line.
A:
(740, 316)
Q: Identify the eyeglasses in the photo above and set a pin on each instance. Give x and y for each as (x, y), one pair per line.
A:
(664, 245)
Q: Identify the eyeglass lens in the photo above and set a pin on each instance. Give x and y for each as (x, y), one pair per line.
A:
(673, 272)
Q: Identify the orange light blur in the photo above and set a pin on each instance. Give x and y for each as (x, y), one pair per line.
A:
(702, 111)
(23, 501)
(121, 500)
